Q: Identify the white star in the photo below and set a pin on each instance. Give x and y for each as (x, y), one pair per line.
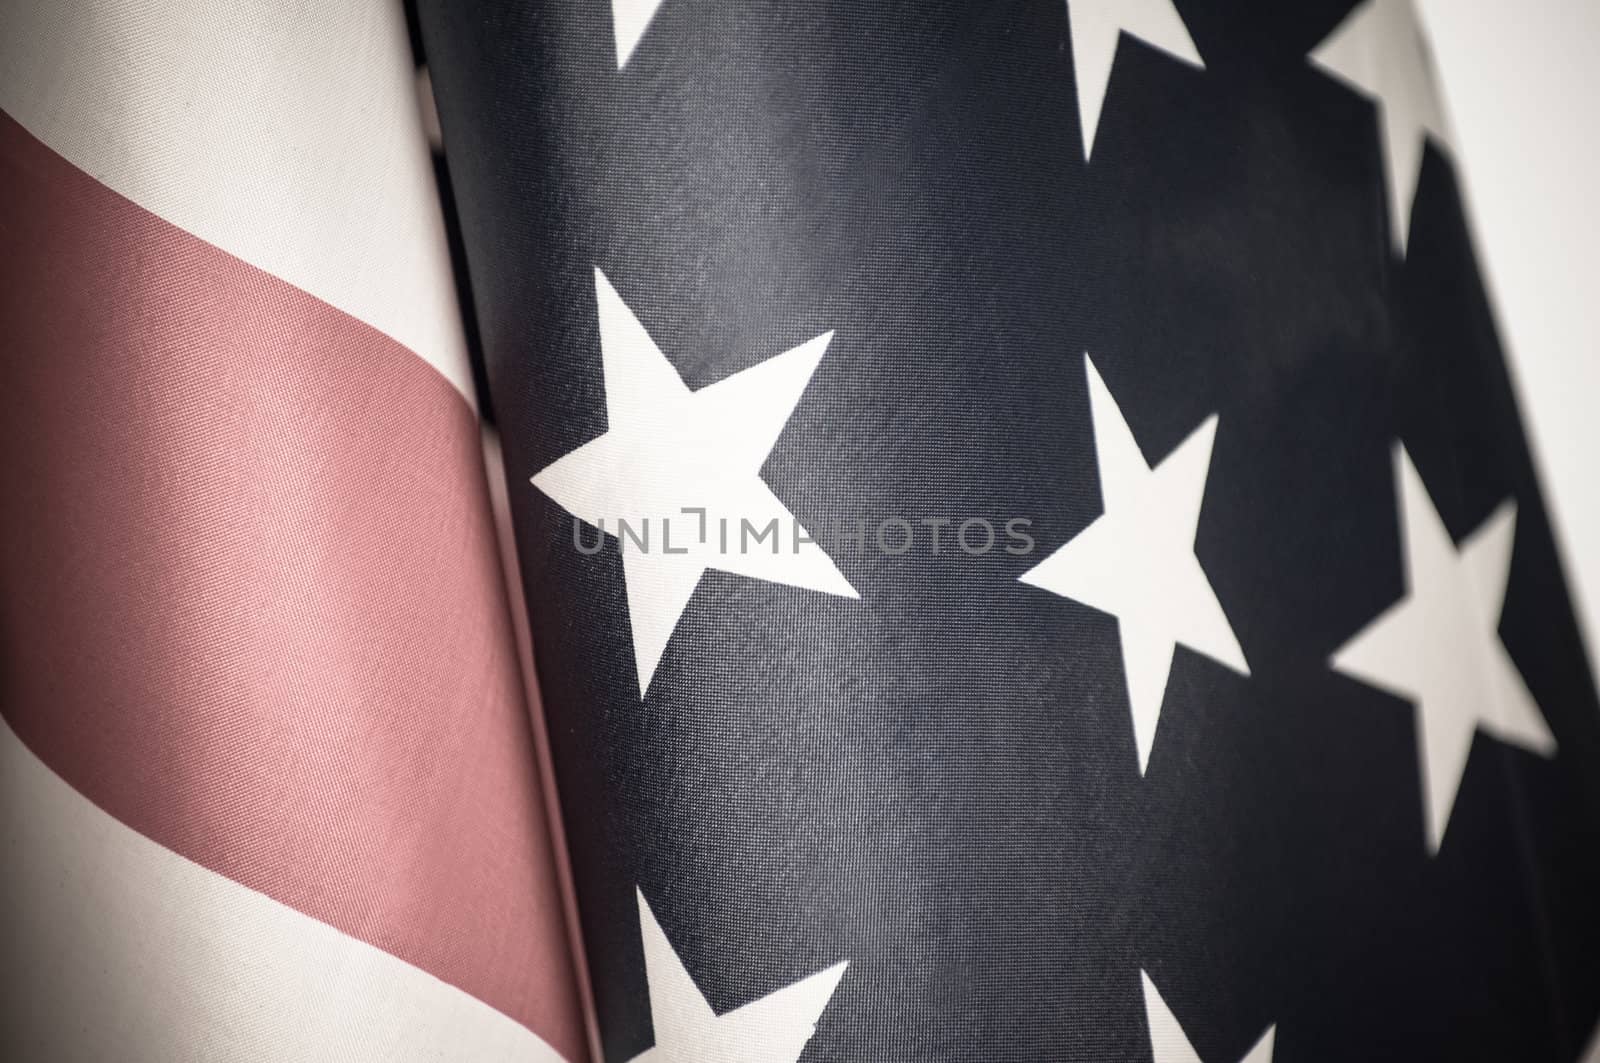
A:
(667, 449)
(1379, 51)
(1168, 1042)
(1096, 26)
(629, 19)
(774, 1029)
(1439, 646)
(1136, 561)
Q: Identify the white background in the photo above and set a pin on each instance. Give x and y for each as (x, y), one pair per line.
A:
(1521, 85)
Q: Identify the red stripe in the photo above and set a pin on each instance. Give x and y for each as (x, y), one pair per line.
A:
(252, 604)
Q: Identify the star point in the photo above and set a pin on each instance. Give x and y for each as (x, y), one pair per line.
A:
(1169, 1043)
(1095, 28)
(1137, 562)
(1379, 51)
(1439, 646)
(773, 1029)
(684, 469)
(629, 20)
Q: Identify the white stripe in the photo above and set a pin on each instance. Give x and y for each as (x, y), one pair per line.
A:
(115, 948)
(286, 133)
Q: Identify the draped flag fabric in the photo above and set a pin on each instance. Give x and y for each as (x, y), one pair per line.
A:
(268, 780)
(1007, 536)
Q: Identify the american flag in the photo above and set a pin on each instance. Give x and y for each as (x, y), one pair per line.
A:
(836, 531)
